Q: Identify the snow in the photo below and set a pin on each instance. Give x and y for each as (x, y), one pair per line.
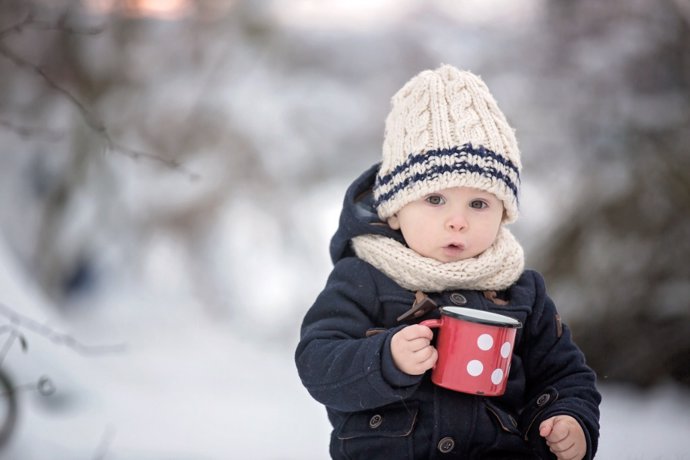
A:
(184, 386)
(650, 425)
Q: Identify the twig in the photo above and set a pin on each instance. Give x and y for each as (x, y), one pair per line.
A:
(106, 441)
(26, 132)
(91, 120)
(8, 344)
(137, 154)
(44, 386)
(30, 22)
(59, 338)
(17, 28)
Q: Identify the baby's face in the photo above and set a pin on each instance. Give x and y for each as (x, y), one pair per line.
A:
(453, 224)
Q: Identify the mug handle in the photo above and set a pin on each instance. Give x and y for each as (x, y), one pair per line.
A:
(432, 323)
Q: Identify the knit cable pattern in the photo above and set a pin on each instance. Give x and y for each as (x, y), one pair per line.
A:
(439, 111)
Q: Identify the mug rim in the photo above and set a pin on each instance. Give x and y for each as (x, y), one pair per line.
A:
(480, 316)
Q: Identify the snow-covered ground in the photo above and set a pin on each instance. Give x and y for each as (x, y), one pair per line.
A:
(181, 391)
(653, 425)
(192, 391)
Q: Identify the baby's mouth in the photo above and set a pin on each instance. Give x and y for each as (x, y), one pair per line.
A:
(454, 250)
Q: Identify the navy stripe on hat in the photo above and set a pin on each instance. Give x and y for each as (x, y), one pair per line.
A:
(466, 159)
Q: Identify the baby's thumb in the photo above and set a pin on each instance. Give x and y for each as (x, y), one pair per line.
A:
(546, 427)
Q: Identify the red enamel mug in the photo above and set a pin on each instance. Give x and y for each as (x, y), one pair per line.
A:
(474, 350)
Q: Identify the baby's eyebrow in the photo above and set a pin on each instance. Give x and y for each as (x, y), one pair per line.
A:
(484, 194)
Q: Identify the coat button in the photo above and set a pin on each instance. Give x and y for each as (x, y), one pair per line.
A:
(375, 421)
(458, 299)
(543, 399)
(446, 444)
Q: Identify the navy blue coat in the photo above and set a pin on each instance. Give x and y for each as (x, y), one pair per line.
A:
(379, 412)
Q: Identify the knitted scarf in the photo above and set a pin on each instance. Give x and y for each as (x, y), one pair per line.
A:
(495, 269)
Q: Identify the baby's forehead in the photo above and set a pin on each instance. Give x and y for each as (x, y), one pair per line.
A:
(464, 190)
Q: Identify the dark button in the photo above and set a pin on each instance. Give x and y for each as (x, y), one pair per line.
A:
(543, 399)
(512, 421)
(446, 444)
(458, 299)
(375, 421)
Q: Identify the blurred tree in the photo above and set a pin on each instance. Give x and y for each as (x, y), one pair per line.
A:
(83, 94)
(266, 113)
(227, 95)
(621, 253)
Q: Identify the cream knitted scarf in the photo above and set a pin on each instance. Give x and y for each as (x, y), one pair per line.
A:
(495, 269)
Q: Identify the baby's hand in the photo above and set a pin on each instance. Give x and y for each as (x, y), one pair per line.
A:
(412, 351)
(564, 436)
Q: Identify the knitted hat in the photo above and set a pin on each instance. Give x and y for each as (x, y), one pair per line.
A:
(446, 130)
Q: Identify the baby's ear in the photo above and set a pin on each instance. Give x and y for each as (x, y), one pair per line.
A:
(393, 222)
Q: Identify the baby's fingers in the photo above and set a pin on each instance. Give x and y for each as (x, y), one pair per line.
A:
(428, 356)
(418, 344)
(565, 437)
(416, 331)
(423, 360)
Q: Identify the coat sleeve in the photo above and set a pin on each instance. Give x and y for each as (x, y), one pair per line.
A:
(558, 380)
(341, 367)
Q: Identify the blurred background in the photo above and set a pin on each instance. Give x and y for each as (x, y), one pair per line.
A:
(171, 172)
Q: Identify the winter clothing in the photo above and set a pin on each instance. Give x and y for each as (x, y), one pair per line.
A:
(444, 130)
(495, 269)
(433, 114)
(378, 412)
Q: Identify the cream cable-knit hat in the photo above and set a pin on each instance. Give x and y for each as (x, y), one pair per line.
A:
(445, 130)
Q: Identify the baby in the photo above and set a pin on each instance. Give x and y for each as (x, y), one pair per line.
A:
(426, 227)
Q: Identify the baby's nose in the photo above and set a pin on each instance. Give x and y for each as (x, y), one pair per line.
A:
(456, 222)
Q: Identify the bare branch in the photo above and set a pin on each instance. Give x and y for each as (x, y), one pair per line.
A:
(91, 120)
(61, 26)
(88, 118)
(7, 345)
(17, 28)
(44, 386)
(27, 132)
(30, 22)
(105, 442)
(137, 154)
(21, 321)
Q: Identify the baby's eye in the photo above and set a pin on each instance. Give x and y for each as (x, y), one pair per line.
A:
(435, 199)
(478, 204)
